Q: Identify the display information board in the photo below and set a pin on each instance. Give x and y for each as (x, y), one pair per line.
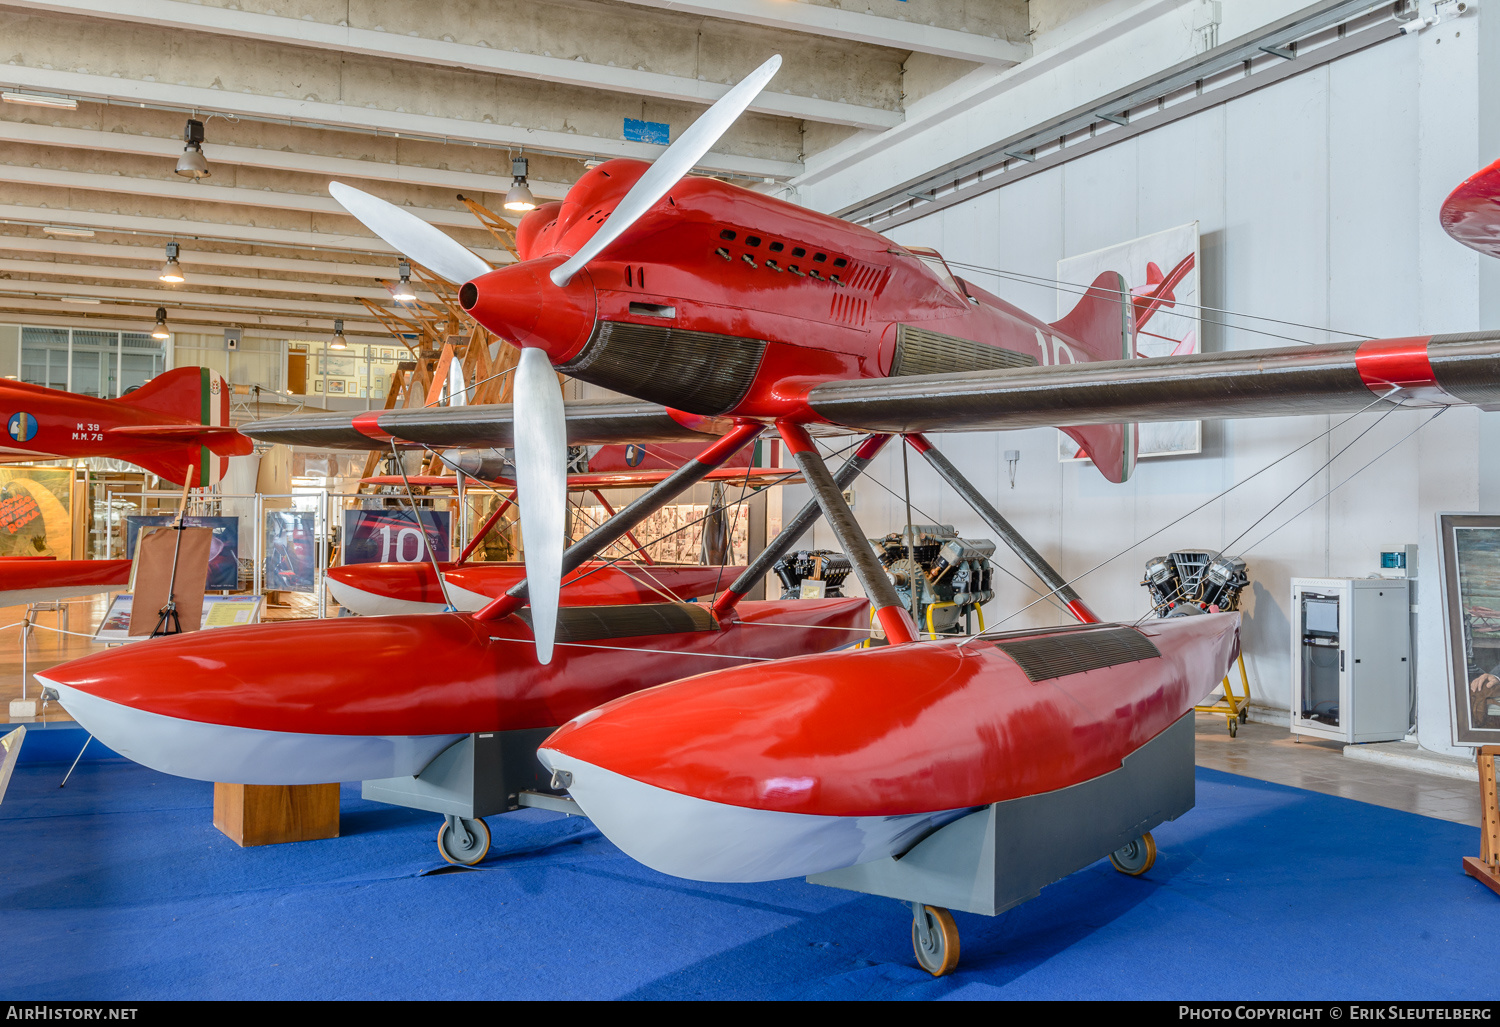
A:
(1469, 559)
(392, 536)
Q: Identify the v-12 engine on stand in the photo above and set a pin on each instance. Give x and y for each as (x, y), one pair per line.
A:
(951, 576)
(1188, 583)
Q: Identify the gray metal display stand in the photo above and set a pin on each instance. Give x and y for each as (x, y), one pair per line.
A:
(1000, 856)
(477, 776)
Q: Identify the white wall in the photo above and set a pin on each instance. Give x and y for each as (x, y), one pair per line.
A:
(1317, 200)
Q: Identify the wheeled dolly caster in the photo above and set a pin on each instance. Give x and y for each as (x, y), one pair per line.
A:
(463, 842)
(1136, 857)
(934, 936)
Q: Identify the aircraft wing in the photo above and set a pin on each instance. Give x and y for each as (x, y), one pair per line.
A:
(1430, 371)
(476, 427)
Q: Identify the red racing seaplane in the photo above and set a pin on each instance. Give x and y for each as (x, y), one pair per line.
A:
(949, 773)
(380, 589)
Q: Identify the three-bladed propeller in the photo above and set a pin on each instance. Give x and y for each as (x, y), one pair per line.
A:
(540, 426)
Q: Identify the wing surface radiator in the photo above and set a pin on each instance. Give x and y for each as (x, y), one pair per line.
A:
(1101, 325)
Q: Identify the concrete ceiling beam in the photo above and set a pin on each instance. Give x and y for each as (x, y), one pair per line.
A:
(127, 318)
(839, 23)
(193, 258)
(166, 297)
(104, 272)
(319, 113)
(218, 231)
(199, 192)
(276, 160)
(273, 28)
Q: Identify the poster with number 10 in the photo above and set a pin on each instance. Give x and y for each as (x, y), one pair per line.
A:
(392, 536)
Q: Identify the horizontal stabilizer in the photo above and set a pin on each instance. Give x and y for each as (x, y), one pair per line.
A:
(222, 439)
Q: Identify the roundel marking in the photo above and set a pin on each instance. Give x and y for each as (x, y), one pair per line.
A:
(634, 455)
(22, 427)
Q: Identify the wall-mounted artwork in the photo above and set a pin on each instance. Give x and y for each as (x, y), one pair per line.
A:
(35, 511)
(387, 354)
(318, 385)
(1469, 562)
(1161, 271)
(335, 385)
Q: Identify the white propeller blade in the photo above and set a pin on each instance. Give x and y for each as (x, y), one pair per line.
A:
(410, 235)
(677, 161)
(541, 451)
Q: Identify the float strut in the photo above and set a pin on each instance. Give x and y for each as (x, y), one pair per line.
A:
(668, 489)
(797, 526)
(1000, 526)
(893, 618)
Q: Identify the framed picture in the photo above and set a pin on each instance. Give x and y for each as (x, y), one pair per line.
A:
(343, 366)
(387, 354)
(1469, 564)
(318, 385)
(335, 385)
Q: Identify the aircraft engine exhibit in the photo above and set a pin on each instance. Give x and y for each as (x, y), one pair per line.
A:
(751, 499)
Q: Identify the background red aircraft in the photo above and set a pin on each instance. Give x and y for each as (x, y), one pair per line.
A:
(175, 422)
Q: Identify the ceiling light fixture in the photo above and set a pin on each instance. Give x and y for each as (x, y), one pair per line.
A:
(338, 341)
(192, 164)
(69, 231)
(90, 300)
(519, 197)
(171, 271)
(65, 103)
(402, 293)
(160, 331)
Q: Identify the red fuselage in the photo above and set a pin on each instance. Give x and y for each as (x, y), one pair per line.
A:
(765, 297)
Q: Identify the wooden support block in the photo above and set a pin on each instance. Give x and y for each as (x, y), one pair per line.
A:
(1483, 873)
(272, 814)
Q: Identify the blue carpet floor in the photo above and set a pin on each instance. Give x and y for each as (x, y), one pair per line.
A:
(119, 887)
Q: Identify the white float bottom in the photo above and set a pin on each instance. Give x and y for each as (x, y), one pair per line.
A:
(712, 841)
(238, 755)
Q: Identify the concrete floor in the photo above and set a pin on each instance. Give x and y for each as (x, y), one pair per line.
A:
(1268, 753)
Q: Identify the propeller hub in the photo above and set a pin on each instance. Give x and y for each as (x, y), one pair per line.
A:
(521, 304)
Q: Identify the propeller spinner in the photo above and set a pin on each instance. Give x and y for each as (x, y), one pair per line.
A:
(556, 303)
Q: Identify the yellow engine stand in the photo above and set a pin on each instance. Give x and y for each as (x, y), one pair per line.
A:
(1236, 708)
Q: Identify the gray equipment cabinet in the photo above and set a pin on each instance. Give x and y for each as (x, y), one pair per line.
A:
(1351, 659)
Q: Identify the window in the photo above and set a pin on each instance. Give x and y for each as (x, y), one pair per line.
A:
(90, 362)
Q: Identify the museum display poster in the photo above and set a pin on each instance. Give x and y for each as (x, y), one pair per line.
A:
(1469, 560)
(291, 551)
(392, 536)
(224, 557)
(36, 511)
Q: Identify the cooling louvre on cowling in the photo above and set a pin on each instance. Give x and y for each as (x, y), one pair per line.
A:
(1057, 656)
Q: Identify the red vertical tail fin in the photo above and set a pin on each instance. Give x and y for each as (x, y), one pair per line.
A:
(1102, 326)
(185, 395)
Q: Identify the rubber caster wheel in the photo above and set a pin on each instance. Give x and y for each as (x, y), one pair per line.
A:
(463, 842)
(1135, 858)
(1234, 728)
(934, 938)
(1244, 716)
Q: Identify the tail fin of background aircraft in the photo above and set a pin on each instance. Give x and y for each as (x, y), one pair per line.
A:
(186, 394)
(1101, 325)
